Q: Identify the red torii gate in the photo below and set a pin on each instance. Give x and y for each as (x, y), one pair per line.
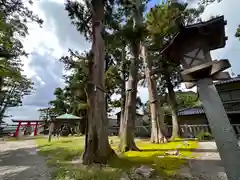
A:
(28, 123)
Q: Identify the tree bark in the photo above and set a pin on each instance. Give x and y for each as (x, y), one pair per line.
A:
(97, 148)
(127, 135)
(173, 105)
(123, 89)
(123, 100)
(157, 118)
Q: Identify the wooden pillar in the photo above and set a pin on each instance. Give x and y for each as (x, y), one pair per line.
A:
(221, 128)
(51, 128)
(17, 130)
(35, 129)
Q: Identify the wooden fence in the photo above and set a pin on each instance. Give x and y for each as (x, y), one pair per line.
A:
(186, 130)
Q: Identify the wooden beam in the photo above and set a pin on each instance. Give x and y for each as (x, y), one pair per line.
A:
(220, 66)
(221, 76)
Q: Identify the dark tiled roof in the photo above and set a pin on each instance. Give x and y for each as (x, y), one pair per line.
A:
(191, 111)
(235, 79)
(200, 110)
(138, 114)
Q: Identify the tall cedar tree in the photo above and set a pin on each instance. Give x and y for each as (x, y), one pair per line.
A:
(163, 22)
(90, 20)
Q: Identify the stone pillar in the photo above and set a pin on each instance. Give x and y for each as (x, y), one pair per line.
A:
(221, 128)
(201, 70)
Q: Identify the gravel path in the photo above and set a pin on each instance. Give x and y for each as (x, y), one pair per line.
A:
(207, 164)
(19, 160)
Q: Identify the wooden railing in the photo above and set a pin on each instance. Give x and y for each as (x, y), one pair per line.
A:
(186, 130)
(191, 131)
(236, 128)
(139, 130)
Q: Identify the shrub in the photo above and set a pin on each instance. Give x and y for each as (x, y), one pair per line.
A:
(204, 136)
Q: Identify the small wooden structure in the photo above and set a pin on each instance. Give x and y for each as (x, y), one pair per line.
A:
(191, 48)
(27, 123)
(57, 122)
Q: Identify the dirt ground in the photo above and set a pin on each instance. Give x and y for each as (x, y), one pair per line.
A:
(207, 163)
(19, 160)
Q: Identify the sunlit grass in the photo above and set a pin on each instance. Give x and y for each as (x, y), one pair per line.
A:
(22, 138)
(62, 151)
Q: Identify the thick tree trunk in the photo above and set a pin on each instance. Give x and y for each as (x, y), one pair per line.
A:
(123, 100)
(173, 106)
(1, 92)
(123, 89)
(97, 148)
(127, 135)
(157, 134)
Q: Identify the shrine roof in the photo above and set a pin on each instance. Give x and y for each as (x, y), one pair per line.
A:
(67, 116)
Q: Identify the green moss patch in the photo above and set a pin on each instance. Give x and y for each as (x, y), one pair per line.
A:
(63, 154)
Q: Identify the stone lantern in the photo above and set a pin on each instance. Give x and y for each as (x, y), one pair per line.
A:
(191, 48)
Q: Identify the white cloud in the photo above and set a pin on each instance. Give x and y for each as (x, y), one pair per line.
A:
(46, 45)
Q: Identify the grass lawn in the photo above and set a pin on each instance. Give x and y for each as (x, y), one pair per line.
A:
(61, 153)
(7, 138)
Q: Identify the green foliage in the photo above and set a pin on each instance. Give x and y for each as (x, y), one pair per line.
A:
(184, 100)
(13, 19)
(187, 99)
(121, 32)
(237, 34)
(13, 91)
(163, 22)
(13, 85)
(204, 136)
(6, 70)
(59, 106)
(72, 97)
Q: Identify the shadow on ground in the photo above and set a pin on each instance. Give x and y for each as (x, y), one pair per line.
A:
(22, 164)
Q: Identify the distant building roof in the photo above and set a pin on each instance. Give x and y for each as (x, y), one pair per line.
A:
(136, 113)
(232, 80)
(200, 110)
(191, 111)
(67, 116)
(27, 120)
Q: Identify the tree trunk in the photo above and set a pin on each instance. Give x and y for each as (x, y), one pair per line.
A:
(127, 135)
(97, 148)
(123, 89)
(127, 138)
(173, 106)
(1, 91)
(123, 100)
(157, 119)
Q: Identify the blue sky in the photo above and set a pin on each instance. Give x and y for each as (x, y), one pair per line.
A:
(46, 45)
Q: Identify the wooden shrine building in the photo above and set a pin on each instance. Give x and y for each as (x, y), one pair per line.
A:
(65, 119)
